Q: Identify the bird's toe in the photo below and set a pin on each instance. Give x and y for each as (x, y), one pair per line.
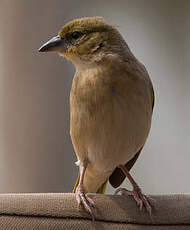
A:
(85, 202)
(139, 197)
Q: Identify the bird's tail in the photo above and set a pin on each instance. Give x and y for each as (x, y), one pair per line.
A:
(101, 190)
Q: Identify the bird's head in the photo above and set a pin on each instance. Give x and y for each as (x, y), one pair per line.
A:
(86, 40)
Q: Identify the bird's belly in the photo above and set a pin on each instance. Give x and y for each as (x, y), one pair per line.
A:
(111, 135)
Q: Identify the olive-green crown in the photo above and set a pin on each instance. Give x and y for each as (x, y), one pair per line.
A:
(87, 24)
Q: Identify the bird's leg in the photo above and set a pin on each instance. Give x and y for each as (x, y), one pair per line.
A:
(86, 202)
(140, 198)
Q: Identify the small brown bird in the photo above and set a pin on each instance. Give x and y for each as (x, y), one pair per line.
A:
(111, 104)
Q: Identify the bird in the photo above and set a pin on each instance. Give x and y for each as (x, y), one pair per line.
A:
(111, 107)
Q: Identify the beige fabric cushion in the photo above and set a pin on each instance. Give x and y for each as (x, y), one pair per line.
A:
(60, 211)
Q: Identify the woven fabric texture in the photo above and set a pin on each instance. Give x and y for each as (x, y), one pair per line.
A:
(60, 211)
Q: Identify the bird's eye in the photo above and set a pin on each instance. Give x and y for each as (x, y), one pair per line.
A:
(76, 34)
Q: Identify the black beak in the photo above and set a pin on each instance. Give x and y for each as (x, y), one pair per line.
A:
(54, 44)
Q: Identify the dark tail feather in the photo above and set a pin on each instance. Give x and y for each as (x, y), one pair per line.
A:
(117, 177)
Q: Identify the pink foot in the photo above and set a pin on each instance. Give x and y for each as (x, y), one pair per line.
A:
(140, 198)
(86, 202)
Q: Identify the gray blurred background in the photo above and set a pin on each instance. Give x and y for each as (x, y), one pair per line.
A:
(36, 153)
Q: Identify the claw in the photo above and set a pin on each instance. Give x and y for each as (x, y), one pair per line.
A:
(140, 198)
(86, 202)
